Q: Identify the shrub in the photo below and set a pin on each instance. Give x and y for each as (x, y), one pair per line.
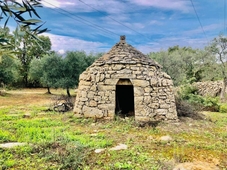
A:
(186, 109)
(223, 108)
(189, 93)
(211, 104)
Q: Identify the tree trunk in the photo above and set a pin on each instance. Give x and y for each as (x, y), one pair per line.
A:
(68, 93)
(48, 90)
(222, 96)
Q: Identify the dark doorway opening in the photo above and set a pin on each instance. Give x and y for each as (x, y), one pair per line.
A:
(124, 100)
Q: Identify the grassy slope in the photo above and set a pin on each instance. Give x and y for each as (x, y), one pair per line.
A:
(63, 141)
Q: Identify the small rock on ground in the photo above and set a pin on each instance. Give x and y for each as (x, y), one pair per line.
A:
(11, 144)
(99, 150)
(119, 147)
(166, 138)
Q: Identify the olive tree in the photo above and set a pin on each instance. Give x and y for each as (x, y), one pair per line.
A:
(218, 48)
(30, 23)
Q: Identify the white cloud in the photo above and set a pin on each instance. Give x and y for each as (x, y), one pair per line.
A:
(57, 3)
(200, 30)
(165, 43)
(110, 6)
(61, 44)
(61, 51)
(165, 4)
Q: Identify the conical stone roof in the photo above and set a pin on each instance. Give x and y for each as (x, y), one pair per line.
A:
(123, 53)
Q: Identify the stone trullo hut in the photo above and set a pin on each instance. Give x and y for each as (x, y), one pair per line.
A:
(125, 81)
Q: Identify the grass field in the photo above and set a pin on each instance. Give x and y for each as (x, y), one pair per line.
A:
(62, 141)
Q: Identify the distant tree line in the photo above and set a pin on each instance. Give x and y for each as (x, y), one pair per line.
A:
(187, 65)
(35, 65)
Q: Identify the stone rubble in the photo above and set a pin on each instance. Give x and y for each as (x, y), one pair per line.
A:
(209, 88)
(153, 89)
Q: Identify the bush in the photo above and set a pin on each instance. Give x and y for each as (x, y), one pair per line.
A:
(189, 93)
(183, 107)
(211, 104)
(223, 108)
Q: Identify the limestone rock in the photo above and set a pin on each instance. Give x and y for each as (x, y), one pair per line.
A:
(119, 147)
(11, 144)
(99, 150)
(166, 138)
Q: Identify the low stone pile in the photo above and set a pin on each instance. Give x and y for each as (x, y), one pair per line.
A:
(209, 88)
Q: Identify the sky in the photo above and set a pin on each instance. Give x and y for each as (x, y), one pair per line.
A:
(149, 25)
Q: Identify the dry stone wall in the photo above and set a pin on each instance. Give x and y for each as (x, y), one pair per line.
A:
(153, 94)
(209, 88)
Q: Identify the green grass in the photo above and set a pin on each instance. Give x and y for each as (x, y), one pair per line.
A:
(62, 141)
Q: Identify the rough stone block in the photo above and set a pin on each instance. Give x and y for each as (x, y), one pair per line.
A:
(140, 83)
(93, 103)
(92, 112)
(83, 94)
(137, 72)
(118, 67)
(124, 71)
(154, 105)
(97, 98)
(123, 76)
(93, 87)
(134, 68)
(147, 99)
(111, 81)
(97, 77)
(148, 89)
(105, 87)
(83, 99)
(153, 81)
(163, 97)
(138, 91)
(109, 107)
(138, 100)
(161, 111)
(77, 110)
(165, 106)
(85, 83)
(91, 94)
(166, 76)
(102, 77)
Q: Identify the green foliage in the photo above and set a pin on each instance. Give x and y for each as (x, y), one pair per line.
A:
(124, 165)
(8, 70)
(189, 94)
(186, 65)
(55, 71)
(28, 49)
(187, 91)
(6, 136)
(218, 48)
(223, 108)
(17, 11)
(50, 68)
